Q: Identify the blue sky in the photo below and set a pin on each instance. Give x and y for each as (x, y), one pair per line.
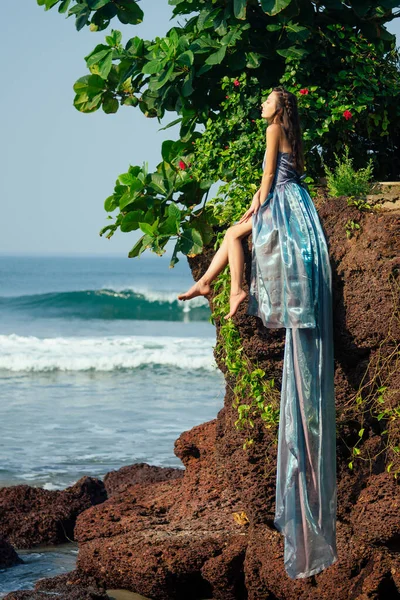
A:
(58, 165)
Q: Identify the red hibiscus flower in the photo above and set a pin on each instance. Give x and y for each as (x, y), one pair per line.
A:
(347, 115)
(304, 91)
(182, 165)
(236, 82)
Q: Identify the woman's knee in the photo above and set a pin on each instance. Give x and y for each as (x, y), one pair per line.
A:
(238, 230)
(230, 232)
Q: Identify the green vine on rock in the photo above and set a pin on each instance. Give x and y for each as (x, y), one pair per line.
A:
(377, 398)
(250, 380)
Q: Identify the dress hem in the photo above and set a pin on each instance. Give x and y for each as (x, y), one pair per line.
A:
(316, 570)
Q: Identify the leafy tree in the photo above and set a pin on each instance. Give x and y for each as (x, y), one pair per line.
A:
(212, 73)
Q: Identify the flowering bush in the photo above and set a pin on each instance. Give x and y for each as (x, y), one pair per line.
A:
(212, 73)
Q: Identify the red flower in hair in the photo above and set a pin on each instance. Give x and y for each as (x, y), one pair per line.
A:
(236, 82)
(182, 165)
(304, 91)
(347, 115)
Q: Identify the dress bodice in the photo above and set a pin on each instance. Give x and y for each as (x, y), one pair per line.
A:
(285, 171)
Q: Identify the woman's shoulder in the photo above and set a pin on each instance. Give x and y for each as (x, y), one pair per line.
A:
(274, 129)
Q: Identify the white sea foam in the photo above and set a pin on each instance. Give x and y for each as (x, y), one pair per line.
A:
(154, 295)
(19, 353)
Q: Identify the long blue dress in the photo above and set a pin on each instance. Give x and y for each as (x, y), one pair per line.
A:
(291, 287)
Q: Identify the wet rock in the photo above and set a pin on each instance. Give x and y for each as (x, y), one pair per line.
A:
(30, 515)
(63, 587)
(8, 556)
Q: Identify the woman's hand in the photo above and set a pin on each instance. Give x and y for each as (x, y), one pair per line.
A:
(255, 205)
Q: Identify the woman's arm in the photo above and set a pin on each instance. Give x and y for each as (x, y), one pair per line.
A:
(272, 140)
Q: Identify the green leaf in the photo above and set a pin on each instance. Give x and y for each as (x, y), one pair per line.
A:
(48, 3)
(147, 228)
(169, 227)
(129, 12)
(162, 80)
(297, 32)
(110, 104)
(96, 4)
(158, 183)
(130, 221)
(125, 199)
(186, 59)
(171, 124)
(115, 38)
(273, 7)
(89, 84)
(217, 57)
(110, 204)
(174, 211)
(82, 18)
(253, 60)
(63, 6)
(191, 242)
(137, 248)
(170, 150)
(173, 37)
(187, 88)
(174, 258)
(206, 18)
(293, 52)
(153, 67)
(134, 183)
(239, 8)
(101, 57)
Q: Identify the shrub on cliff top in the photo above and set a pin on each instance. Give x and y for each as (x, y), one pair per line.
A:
(344, 180)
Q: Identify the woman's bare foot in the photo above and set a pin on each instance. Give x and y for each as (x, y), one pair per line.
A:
(234, 301)
(198, 289)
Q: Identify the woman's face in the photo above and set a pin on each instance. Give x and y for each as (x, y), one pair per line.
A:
(268, 107)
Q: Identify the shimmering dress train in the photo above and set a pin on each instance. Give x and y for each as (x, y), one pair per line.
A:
(291, 287)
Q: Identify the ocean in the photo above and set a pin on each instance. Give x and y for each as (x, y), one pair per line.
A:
(100, 366)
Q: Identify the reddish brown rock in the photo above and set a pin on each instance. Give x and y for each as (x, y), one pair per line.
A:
(210, 533)
(63, 587)
(156, 538)
(117, 481)
(8, 556)
(30, 515)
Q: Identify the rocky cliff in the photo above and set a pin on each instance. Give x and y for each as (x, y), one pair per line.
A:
(210, 533)
(207, 532)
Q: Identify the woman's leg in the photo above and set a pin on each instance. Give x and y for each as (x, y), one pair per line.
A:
(218, 264)
(234, 237)
(220, 260)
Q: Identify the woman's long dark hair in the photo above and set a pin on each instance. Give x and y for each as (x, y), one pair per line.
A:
(289, 118)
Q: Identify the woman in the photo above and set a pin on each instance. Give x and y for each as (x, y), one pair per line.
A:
(291, 287)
